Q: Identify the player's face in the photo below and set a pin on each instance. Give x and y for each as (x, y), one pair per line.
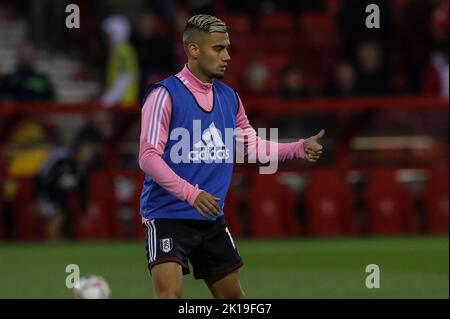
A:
(214, 57)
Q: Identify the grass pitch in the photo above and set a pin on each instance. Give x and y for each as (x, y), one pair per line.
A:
(301, 268)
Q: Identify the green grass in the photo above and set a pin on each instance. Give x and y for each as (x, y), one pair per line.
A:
(303, 268)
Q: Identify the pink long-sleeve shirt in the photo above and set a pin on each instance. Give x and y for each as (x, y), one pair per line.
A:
(155, 121)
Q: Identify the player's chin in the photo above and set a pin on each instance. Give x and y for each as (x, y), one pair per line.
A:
(219, 75)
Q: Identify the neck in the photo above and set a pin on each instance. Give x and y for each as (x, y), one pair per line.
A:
(198, 74)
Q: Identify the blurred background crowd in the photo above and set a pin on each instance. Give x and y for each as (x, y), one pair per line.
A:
(69, 112)
(291, 49)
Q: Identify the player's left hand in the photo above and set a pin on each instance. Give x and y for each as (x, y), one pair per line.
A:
(312, 148)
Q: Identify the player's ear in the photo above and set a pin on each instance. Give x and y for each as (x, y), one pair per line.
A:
(194, 50)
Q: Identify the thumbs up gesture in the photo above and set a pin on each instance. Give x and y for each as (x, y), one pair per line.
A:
(312, 148)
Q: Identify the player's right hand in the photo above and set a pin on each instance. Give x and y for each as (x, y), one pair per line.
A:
(206, 203)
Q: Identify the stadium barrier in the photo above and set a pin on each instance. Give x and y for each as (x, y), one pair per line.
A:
(325, 205)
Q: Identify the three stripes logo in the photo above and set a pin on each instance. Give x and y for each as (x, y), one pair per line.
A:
(166, 244)
(210, 147)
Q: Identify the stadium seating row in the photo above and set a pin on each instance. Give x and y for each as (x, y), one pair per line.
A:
(272, 211)
(331, 207)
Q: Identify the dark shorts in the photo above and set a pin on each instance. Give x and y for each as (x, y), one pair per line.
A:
(208, 245)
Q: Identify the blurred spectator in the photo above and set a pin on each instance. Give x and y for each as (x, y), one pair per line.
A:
(6, 10)
(2, 85)
(436, 79)
(256, 79)
(269, 6)
(292, 85)
(372, 77)
(436, 76)
(251, 7)
(46, 24)
(181, 19)
(25, 151)
(122, 73)
(155, 54)
(299, 6)
(89, 42)
(98, 131)
(352, 26)
(64, 171)
(344, 81)
(26, 83)
(26, 144)
(201, 6)
(439, 21)
(411, 43)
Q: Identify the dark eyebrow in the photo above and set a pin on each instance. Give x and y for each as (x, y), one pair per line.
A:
(221, 46)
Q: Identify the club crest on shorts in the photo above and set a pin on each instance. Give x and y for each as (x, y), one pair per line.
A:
(166, 244)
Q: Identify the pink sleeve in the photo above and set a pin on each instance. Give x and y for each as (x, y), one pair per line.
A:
(155, 121)
(286, 151)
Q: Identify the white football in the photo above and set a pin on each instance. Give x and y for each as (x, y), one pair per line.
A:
(93, 287)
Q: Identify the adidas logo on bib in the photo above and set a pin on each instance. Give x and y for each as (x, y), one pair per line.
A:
(211, 146)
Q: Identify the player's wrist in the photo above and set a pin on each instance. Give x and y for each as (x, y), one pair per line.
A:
(301, 149)
(193, 194)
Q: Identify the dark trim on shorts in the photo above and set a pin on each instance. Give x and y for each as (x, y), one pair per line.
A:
(228, 269)
(165, 260)
(184, 268)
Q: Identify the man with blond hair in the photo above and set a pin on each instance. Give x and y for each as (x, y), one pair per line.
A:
(186, 183)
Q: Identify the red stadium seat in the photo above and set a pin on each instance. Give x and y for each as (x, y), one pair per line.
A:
(330, 205)
(271, 209)
(238, 66)
(102, 215)
(237, 23)
(320, 30)
(28, 223)
(436, 202)
(291, 222)
(239, 43)
(390, 205)
(333, 6)
(283, 42)
(276, 22)
(274, 61)
(252, 41)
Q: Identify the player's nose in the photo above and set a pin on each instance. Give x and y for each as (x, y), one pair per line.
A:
(227, 56)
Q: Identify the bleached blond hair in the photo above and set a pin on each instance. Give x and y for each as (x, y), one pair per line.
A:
(203, 23)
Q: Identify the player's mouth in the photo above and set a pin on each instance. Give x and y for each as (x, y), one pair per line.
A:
(223, 67)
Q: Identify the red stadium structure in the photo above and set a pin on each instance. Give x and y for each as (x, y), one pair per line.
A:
(390, 207)
(436, 201)
(331, 205)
